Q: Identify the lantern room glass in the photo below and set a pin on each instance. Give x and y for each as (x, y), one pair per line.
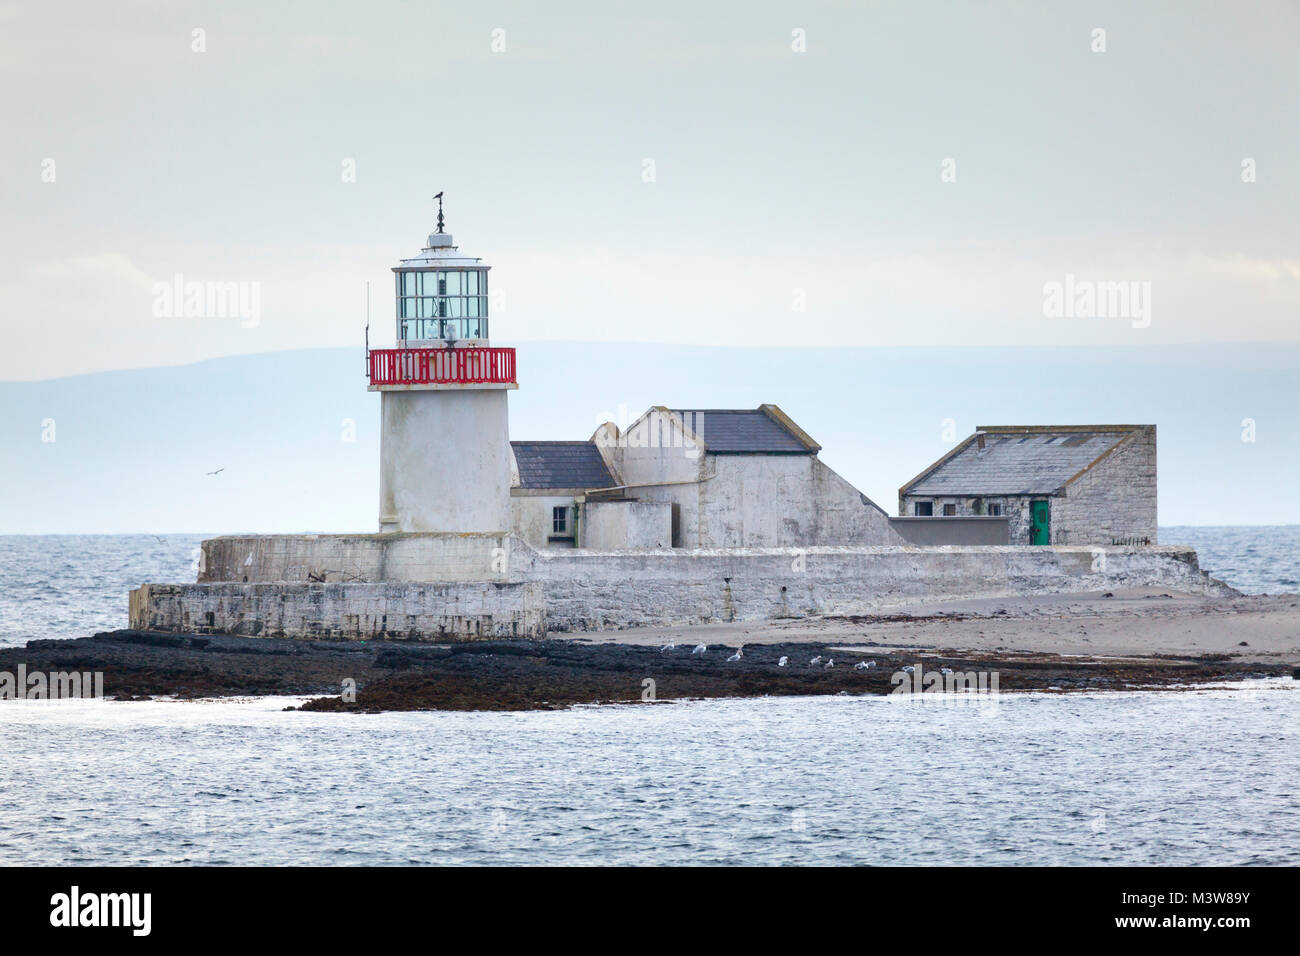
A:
(442, 304)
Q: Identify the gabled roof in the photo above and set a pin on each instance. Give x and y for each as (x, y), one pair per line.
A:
(765, 430)
(1020, 459)
(561, 464)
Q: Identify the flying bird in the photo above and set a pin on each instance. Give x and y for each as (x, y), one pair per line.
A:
(217, 472)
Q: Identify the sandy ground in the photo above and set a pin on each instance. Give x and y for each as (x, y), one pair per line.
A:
(1132, 623)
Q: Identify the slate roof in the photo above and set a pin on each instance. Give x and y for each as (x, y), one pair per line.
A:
(560, 464)
(1032, 460)
(742, 431)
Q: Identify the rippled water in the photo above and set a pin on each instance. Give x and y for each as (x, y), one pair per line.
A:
(1197, 777)
(1257, 560)
(71, 585)
(65, 586)
(1202, 777)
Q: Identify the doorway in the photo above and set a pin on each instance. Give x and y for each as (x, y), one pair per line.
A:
(1039, 530)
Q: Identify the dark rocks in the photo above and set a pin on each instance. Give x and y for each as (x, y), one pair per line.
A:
(528, 675)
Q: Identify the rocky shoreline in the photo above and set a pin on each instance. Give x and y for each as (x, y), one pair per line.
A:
(553, 674)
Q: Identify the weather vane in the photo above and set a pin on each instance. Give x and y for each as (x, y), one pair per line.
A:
(439, 198)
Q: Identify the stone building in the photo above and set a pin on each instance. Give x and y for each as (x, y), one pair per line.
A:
(564, 496)
(690, 478)
(1069, 484)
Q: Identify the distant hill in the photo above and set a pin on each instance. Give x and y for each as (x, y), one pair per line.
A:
(132, 449)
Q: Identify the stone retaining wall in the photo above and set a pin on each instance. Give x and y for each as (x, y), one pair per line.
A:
(586, 591)
(428, 612)
(372, 587)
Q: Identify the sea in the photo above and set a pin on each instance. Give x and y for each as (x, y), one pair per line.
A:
(1199, 777)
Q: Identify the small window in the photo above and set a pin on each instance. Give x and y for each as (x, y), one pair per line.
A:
(950, 510)
(923, 509)
(995, 511)
(559, 520)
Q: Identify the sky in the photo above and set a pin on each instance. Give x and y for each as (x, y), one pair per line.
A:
(811, 174)
(800, 176)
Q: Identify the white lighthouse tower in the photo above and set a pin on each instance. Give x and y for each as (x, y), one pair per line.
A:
(444, 443)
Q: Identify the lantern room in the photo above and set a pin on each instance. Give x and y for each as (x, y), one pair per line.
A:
(441, 295)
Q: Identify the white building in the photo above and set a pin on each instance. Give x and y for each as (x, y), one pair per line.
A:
(690, 478)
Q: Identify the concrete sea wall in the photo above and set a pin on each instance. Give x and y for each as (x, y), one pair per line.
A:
(425, 612)
(351, 558)
(587, 591)
(461, 587)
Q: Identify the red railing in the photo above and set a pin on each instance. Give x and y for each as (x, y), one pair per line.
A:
(469, 366)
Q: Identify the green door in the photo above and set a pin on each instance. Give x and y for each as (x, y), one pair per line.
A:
(1038, 531)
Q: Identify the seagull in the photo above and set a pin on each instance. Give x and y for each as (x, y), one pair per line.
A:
(740, 652)
(830, 663)
(909, 669)
(815, 661)
(864, 665)
(783, 661)
(217, 472)
(670, 646)
(700, 648)
(945, 670)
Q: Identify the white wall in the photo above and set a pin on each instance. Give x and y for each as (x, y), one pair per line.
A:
(615, 525)
(355, 557)
(531, 516)
(445, 460)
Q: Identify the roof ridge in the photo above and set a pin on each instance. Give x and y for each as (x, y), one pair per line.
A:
(560, 441)
(1059, 428)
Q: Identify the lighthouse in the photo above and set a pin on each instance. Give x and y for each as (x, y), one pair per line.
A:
(445, 459)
